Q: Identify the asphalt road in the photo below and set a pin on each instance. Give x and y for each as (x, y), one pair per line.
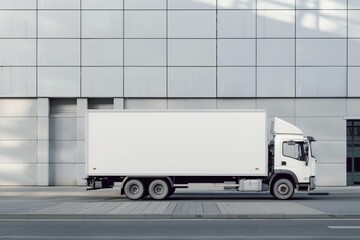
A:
(180, 229)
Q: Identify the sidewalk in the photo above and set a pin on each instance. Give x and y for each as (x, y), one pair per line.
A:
(77, 203)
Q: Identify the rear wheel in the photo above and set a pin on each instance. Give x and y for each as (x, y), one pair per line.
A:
(283, 189)
(134, 189)
(159, 189)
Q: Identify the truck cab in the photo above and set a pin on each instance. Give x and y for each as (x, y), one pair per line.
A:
(293, 160)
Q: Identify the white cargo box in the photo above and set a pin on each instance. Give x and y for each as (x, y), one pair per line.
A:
(176, 143)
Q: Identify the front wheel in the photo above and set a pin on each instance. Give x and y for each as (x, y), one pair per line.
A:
(283, 189)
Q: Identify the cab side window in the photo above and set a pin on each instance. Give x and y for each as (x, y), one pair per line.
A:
(296, 150)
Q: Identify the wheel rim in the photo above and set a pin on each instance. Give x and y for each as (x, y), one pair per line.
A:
(159, 189)
(283, 189)
(134, 189)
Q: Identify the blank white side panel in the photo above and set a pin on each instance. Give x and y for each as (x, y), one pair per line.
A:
(176, 143)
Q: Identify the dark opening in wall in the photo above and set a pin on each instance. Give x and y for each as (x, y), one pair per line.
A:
(100, 103)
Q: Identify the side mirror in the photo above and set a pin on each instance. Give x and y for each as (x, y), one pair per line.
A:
(307, 161)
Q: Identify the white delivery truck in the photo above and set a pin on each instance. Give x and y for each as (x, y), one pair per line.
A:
(155, 152)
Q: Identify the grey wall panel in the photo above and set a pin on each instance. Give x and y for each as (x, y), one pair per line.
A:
(353, 52)
(145, 82)
(192, 4)
(236, 24)
(17, 82)
(354, 81)
(145, 24)
(192, 24)
(17, 4)
(190, 52)
(102, 81)
(17, 52)
(321, 4)
(80, 152)
(102, 24)
(59, 4)
(321, 23)
(59, 81)
(275, 82)
(59, 52)
(331, 175)
(276, 52)
(321, 52)
(321, 82)
(18, 152)
(18, 174)
(62, 151)
(277, 107)
(236, 4)
(278, 4)
(192, 82)
(102, 52)
(18, 128)
(236, 103)
(236, 52)
(320, 107)
(43, 151)
(43, 128)
(192, 104)
(18, 24)
(354, 4)
(145, 52)
(62, 174)
(108, 4)
(145, 103)
(80, 175)
(18, 107)
(236, 82)
(276, 23)
(59, 24)
(352, 107)
(354, 26)
(80, 128)
(62, 128)
(118, 103)
(323, 128)
(145, 4)
(330, 152)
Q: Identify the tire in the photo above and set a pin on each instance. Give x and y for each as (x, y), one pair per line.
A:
(134, 189)
(159, 189)
(283, 189)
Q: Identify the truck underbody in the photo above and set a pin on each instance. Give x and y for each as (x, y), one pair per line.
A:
(280, 185)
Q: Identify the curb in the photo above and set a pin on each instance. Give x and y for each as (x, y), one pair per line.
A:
(175, 216)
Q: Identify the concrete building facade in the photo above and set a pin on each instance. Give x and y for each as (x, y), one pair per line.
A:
(298, 59)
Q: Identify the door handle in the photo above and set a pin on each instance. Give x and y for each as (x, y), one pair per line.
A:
(283, 163)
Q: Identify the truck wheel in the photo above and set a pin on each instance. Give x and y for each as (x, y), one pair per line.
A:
(134, 189)
(158, 189)
(283, 189)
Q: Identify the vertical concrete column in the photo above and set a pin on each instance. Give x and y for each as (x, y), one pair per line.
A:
(43, 142)
(82, 106)
(118, 103)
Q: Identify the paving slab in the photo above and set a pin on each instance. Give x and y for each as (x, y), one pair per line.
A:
(72, 203)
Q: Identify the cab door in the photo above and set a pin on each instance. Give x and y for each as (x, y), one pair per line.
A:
(294, 157)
